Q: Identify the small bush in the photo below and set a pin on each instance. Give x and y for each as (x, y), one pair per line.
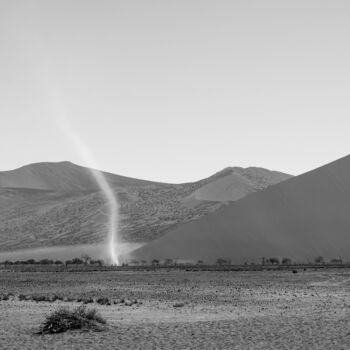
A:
(103, 301)
(65, 319)
(88, 301)
(22, 297)
(179, 305)
(40, 298)
(56, 297)
(68, 299)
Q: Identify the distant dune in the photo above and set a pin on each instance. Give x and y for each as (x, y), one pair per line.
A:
(232, 184)
(300, 218)
(60, 204)
(61, 176)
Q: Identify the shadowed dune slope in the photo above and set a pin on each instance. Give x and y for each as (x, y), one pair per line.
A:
(300, 218)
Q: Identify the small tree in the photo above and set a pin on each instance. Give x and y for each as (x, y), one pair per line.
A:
(286, 261)
(31, 262)
(98, 262)
(274, 261)
(168, 262)
(221, 261)
(319, 260)
(86, 259)
(155, 262)
(143, 262)
(77, 261)
(46, 262)
(135, 262)
(337, 261)
(200, 262)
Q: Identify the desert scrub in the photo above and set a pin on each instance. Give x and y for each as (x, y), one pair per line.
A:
(65, 319)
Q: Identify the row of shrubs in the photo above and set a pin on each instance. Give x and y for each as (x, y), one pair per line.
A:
(75, 261)
(225, 262)
(84, 300)
(86, 260)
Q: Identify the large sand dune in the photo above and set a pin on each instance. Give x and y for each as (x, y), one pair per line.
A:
(59, 204)
(300, 218)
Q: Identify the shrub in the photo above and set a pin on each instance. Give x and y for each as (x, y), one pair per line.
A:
(179, 305)
(56, 297)
(77, 261)
(155, 262)
(103, 301)
(274, 261)
(22, 297)
(65, 319)
(98, 262)
(85, 300)
(168, 262)
(30, 262)
(286, 261)
(221, 261)
(319, 260)
(337, 261)
(46, 262)
(86, 259)
(40, 298)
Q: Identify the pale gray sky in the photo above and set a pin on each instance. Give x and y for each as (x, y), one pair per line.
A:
(175, 90)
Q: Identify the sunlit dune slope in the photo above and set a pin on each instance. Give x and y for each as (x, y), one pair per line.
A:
(232, 184)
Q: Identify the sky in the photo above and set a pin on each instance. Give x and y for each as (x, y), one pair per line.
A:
(175, 91)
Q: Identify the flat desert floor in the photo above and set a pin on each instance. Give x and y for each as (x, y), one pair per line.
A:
(222, 310)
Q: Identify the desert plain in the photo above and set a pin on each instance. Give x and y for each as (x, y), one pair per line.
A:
(179, 309)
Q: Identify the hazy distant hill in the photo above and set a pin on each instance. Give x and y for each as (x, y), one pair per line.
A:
(49, 204)
(300, 218)
(61, 177)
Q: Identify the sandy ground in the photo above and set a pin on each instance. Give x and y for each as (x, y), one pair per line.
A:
(223, 310)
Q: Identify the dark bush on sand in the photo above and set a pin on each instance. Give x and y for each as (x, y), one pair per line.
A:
(103, 301)
(22, 297)
(65, 319)
(46, 262)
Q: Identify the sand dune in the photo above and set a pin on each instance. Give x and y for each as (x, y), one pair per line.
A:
(300, 218)
(59, 204)
(232, 184)
(61, 176)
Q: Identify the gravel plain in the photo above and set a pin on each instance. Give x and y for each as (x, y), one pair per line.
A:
(216, 310)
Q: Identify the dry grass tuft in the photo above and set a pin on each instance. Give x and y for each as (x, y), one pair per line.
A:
(65, 319)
